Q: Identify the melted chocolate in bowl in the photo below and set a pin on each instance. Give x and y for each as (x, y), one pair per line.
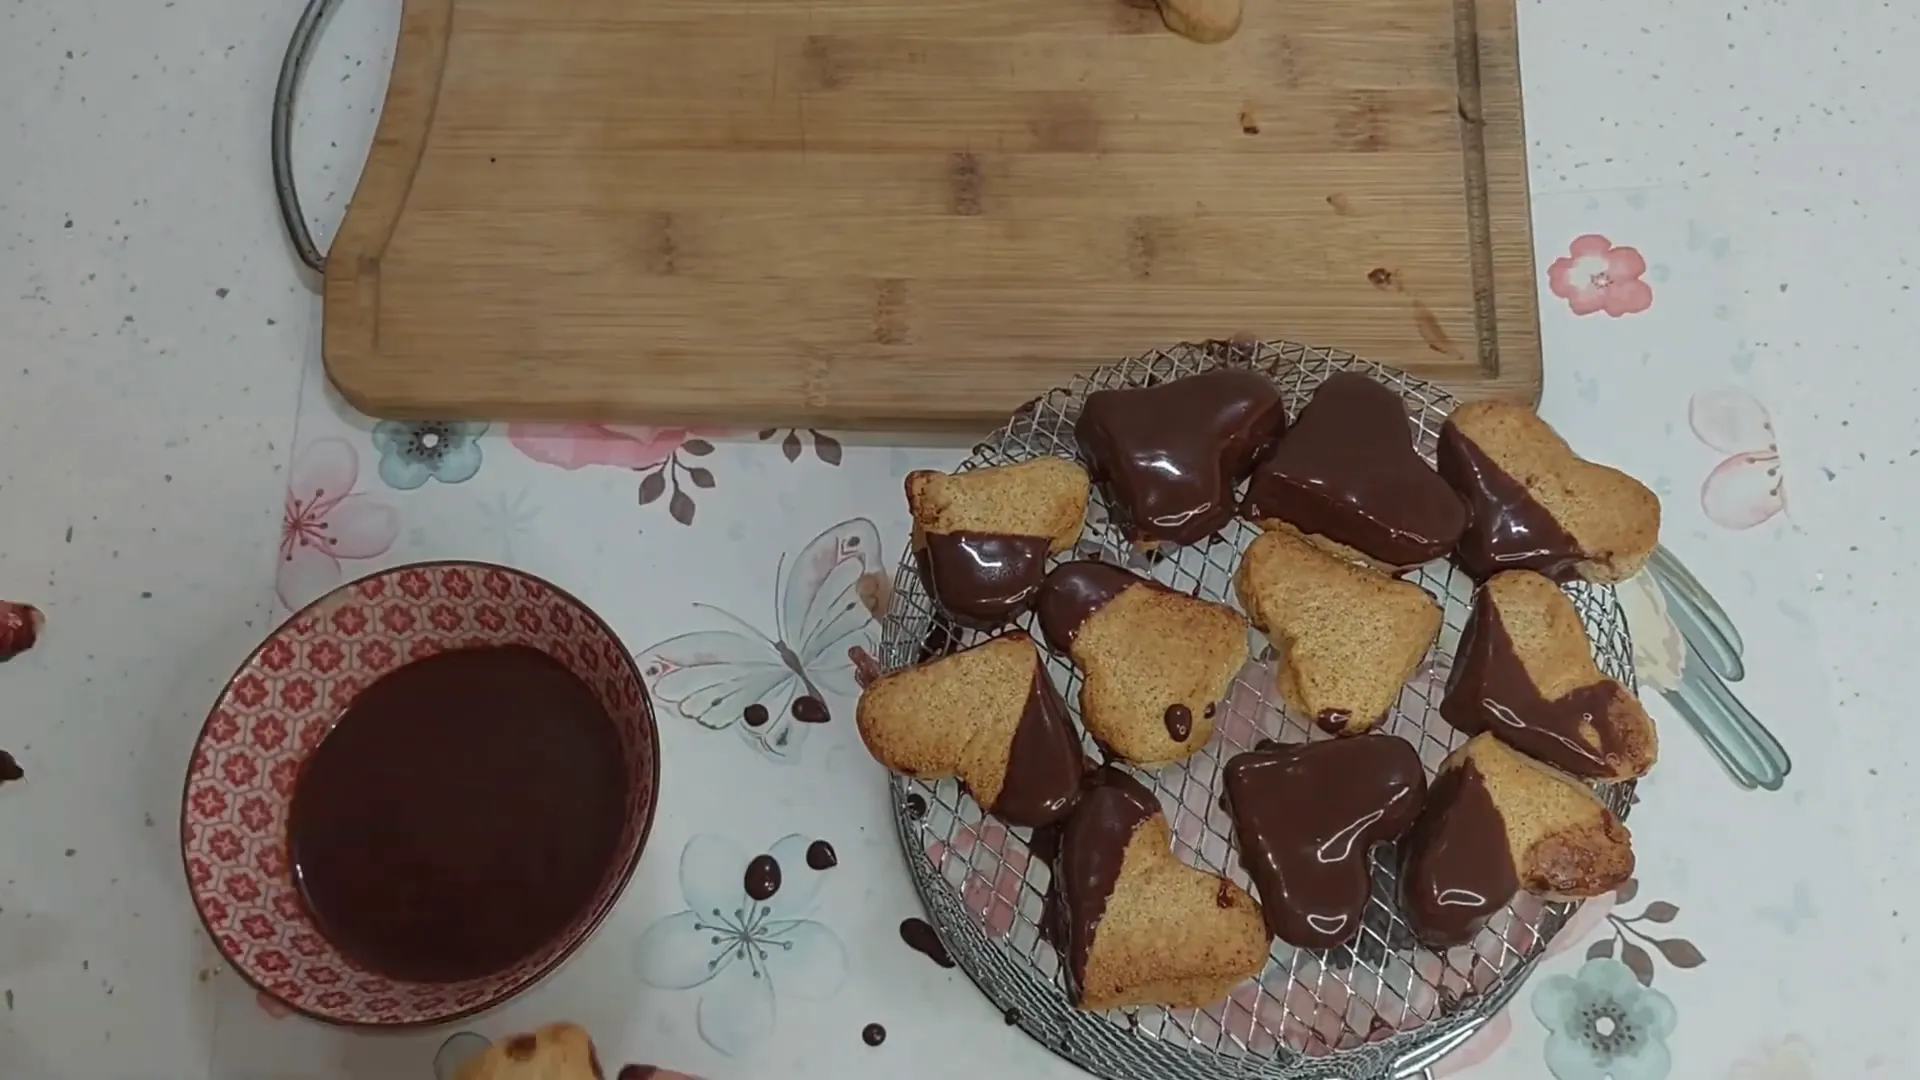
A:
(460, 815)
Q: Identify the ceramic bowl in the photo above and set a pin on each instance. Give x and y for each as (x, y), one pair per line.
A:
(283, 701)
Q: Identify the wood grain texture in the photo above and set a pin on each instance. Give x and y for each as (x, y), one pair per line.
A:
(910, 213)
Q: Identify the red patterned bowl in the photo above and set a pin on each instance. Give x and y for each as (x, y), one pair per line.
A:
(283, 701)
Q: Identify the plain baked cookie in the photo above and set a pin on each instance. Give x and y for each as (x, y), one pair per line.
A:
(1205, 21)
(1347, 637)
(1154, 662)
(1524, 672)
(989, 715)
(983, 535)
(1496, 821)
(1134, 924)
(1533, 504)
(554, 1052)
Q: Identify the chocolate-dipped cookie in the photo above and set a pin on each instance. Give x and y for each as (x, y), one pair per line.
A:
(983, 536)
(1155, 662)
(1171, 455)
(1533, 504)
(1305, 817)
(989, 715)
(1524, 671)
(1496, 822)
(1346, 475)
(1134, 924)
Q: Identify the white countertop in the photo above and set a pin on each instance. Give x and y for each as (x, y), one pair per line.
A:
(155, 340)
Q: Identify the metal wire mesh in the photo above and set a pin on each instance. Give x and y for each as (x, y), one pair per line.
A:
(1379, 1007)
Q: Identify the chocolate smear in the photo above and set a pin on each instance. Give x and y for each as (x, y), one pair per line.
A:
(920, 936)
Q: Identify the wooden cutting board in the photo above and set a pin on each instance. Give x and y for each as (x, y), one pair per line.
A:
(887, 213)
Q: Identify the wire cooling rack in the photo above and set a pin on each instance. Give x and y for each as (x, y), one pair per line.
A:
(1381, 1007)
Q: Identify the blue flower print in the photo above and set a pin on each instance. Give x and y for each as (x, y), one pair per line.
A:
(736, 950)
(1603, 1025)
(413, 453)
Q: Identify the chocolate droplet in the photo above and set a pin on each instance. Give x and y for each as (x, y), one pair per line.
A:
(1210, 711)
(873, 1034)
(638, 1072)
(810, 710)
(756, 715)
(1011, 1016)
(916, 806)
(1223, 897)
(10, 768)
(919, 934)
(1179, 720)
(763, 877)
(821, 856)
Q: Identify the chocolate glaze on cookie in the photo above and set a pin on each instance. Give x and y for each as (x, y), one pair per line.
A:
(1073, 592)
(1347, 471)
(1172, 454)
(1092, 844)
(1488, 690)
(1179, 721)
(982, 578)
(1507, 528)
(1458, 870)
(1305, 816)
(1045, 766)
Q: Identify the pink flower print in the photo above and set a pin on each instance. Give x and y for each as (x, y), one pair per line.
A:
(1746, 489)
(994, 867)
(327, 522)
(1596, 276)
(576, 446)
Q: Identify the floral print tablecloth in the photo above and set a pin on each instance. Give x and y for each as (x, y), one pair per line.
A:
(751, 565)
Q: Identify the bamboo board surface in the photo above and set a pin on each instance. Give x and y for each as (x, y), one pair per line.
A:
(914, 213)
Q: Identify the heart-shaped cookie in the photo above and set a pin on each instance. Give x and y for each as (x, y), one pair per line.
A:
(1533, 504)
(1346, 474)
(989, 715)
(1347, 637)
(1134, 924)
(1524, 671)
(1305, 818)
(1496, 822)
(1156, 662)
(1172, 454)
(983, 536)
